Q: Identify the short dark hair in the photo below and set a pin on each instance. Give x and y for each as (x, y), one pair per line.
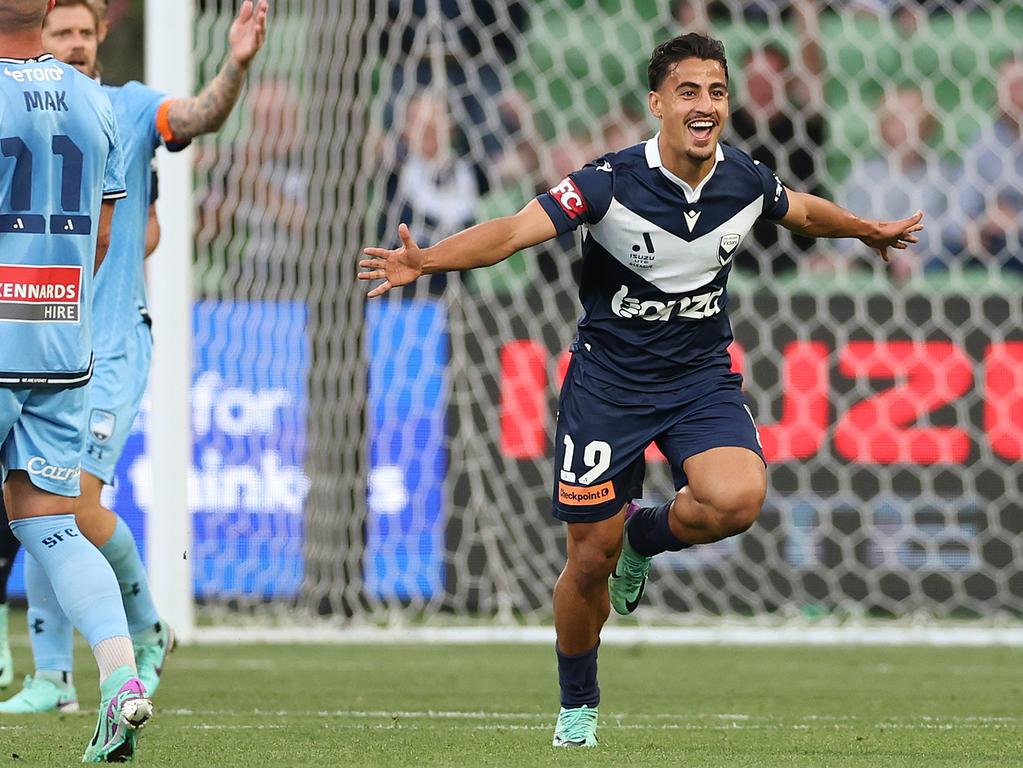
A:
(689, 46)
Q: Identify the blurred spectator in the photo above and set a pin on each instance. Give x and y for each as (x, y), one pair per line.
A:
(780, 123)
(993, 173)
(260, 201)
(901, 180)
(624, 128)
(432, 189)
(469, 43)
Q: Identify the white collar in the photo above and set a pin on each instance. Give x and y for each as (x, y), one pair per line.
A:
(41, 57)
(653, 160)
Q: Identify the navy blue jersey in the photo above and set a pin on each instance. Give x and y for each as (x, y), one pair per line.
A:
(656, 258)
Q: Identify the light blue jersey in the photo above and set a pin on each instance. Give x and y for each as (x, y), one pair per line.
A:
(120, 284)
(59, 159)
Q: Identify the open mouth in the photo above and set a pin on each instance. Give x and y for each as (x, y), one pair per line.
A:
(701, 129)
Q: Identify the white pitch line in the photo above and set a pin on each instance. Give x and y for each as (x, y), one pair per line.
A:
(620, 720)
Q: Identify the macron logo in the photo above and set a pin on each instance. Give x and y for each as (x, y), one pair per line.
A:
(691, 218)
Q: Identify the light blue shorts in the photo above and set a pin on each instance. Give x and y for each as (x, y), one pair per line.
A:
(43, 433)
(112, 402)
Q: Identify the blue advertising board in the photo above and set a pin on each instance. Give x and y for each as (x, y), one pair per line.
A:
(407, 343)
(246, 486)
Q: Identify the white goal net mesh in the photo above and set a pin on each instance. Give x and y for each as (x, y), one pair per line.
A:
(391, 461)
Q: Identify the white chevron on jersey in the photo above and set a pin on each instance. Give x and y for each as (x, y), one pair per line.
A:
(691, 218)
(676, 265)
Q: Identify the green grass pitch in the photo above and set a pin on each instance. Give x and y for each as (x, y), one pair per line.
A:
(690, 707)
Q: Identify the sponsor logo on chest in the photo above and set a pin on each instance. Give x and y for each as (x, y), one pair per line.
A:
(31, 294)
(696, 307)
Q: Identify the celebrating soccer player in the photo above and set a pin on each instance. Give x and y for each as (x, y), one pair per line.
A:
(60, 173)
(650, 360)
(122, 343)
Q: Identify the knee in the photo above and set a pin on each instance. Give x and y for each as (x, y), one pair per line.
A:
(737, 507)
(592, 562)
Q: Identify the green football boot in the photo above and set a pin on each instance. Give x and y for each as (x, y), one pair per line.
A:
(151, 649)
(6, 662)
(39, 695)
(627, 581)
(123, 711)
(577, 727)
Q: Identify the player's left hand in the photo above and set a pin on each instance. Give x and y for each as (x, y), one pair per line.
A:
(248, 31)
(894, 234)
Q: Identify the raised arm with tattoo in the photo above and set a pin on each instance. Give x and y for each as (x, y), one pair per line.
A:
(206, 112)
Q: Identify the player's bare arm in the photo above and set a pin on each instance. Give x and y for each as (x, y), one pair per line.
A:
(206, 112)
(816, 217)
(479, 246)
(106, 216)
(152, 231)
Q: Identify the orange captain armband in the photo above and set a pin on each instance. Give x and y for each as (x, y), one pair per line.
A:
(163, 122)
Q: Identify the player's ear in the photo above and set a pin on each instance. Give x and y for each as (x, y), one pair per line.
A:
(654, 102)
(101, 33)
(51, 5)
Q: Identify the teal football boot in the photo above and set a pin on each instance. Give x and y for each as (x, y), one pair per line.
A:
(577, 727)
(123, 711)
(627, 581)
(39, 695)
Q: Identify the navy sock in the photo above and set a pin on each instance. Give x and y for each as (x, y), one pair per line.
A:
(650, 533)
(577, 676)
(9, 546)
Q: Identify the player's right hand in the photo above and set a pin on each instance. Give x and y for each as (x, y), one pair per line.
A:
(396, 267)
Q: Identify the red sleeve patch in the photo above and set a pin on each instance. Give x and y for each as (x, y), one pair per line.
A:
(569, 198)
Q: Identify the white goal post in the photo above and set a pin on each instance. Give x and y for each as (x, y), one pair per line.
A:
(170, 68)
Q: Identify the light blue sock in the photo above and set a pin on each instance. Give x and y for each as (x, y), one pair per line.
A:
(49, 630)
(81, 577)
(123, 556)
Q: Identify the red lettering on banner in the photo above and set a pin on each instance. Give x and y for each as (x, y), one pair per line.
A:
(928, 375)
(523, 400)
(563, 360)
(1003, 404)
(737, 354)
(569, 198)
(804, 409)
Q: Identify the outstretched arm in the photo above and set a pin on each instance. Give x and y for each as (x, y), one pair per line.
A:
(478, 246)
(205, 113)
(816, 217)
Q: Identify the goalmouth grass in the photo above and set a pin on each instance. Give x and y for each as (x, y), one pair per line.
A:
(495, 705)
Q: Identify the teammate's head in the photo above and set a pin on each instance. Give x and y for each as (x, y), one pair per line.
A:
(17, 16)
(1010, 88)
(71, 33)
(689, 94)
(905, 122)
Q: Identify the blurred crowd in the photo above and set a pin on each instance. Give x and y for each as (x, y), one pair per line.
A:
(457, 140)
(456, 162)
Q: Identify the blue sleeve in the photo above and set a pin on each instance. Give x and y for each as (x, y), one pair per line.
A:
(776, 199)
(582, 197)
(152, 109)
(113, 174)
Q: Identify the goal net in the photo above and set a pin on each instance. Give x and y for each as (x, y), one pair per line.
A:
(390, 461)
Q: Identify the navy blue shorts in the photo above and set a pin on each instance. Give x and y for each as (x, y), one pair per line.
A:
(604, 430)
